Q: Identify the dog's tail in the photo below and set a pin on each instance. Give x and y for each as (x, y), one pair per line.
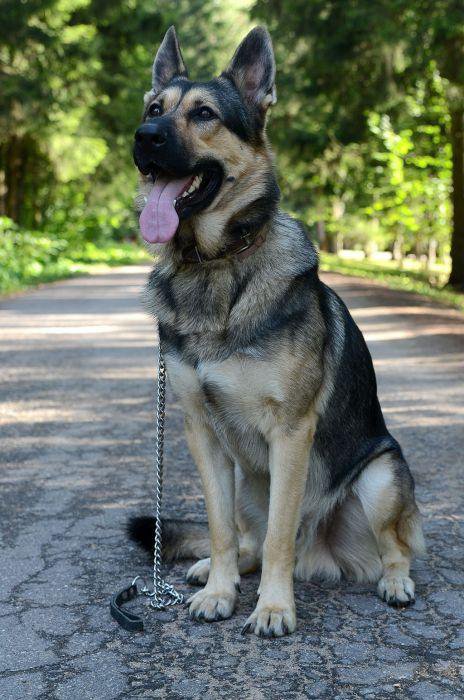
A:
(182, 539)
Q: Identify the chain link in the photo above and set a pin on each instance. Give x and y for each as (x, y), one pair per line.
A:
(163, 593)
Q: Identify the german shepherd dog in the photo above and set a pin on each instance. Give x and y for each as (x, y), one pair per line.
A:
(300, 474)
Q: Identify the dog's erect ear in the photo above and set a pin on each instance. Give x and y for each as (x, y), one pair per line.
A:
(168, 61)
(252, 69)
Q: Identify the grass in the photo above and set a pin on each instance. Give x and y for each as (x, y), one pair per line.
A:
(408, 278)
(35, 269)
(91, 259)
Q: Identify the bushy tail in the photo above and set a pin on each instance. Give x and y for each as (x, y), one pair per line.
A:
(182, 539)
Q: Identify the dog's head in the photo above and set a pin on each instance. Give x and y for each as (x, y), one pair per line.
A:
(201, 147)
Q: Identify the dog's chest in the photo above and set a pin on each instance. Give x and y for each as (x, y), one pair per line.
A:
(238, 394)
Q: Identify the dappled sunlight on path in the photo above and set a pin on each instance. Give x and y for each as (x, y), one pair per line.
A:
(76, 419)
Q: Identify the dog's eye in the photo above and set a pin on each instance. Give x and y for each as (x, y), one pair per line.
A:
(205, 114)
(155, 110)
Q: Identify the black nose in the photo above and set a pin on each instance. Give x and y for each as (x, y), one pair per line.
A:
(150, 135)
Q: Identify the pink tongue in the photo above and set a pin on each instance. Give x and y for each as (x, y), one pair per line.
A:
(159, 220)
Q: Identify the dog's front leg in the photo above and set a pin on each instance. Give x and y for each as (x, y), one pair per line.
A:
(216, 601)
(274, 614)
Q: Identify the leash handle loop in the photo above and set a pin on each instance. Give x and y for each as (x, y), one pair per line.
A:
(127, 620)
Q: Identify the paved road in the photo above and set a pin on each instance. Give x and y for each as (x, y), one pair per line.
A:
(76, 427)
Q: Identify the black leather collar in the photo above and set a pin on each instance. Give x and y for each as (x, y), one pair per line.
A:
(240, 249)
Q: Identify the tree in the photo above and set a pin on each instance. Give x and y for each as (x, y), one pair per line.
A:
(351, 58)
(444, 42)
(73, 74)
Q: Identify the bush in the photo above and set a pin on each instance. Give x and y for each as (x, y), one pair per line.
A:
(26, 255)
(29, 257)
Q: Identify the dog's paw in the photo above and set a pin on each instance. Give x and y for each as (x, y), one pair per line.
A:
(198, 573)
(397, 591)
(211, 606)
(271, 620)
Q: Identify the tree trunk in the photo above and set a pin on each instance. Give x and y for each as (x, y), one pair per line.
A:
(398, 250)
(432, 253)
(338, 210)
(457, 236)
(13, 174)
(321, 237)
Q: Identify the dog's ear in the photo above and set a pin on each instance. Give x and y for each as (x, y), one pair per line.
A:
(252, 69)
(168, 61)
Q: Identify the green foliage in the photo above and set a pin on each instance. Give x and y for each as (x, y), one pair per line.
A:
(415, 281)
(367, 91)
(409, 172)
(30, 257)
(367, 95)
(73, 74)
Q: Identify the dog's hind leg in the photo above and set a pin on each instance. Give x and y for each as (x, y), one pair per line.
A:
(251, 517)
(248, 562)
(198, 573)
(252, 498)
(386, 491)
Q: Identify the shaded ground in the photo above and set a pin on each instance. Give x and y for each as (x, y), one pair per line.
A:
(77, 366)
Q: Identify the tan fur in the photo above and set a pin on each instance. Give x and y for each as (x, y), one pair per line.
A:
(169, 98)
(245, 163)
(255, 384)
(218, 597)
(288, 465)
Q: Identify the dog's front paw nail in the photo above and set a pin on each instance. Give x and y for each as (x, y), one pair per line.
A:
(212, 606)
(271, 620)
(397, 591)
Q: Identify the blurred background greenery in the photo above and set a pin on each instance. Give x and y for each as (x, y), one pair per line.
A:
(368, 128)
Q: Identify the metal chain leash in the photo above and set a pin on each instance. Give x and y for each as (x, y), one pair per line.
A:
(163, 593)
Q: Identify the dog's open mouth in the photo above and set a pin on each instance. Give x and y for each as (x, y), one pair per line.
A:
(200, 192)
(172, 199)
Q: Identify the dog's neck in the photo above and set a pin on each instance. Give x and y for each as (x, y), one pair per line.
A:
(224, 231)
(238, 239)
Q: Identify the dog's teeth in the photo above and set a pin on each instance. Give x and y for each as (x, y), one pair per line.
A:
(193, 187)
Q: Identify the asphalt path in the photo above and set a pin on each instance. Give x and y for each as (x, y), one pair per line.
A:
(77, 367)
